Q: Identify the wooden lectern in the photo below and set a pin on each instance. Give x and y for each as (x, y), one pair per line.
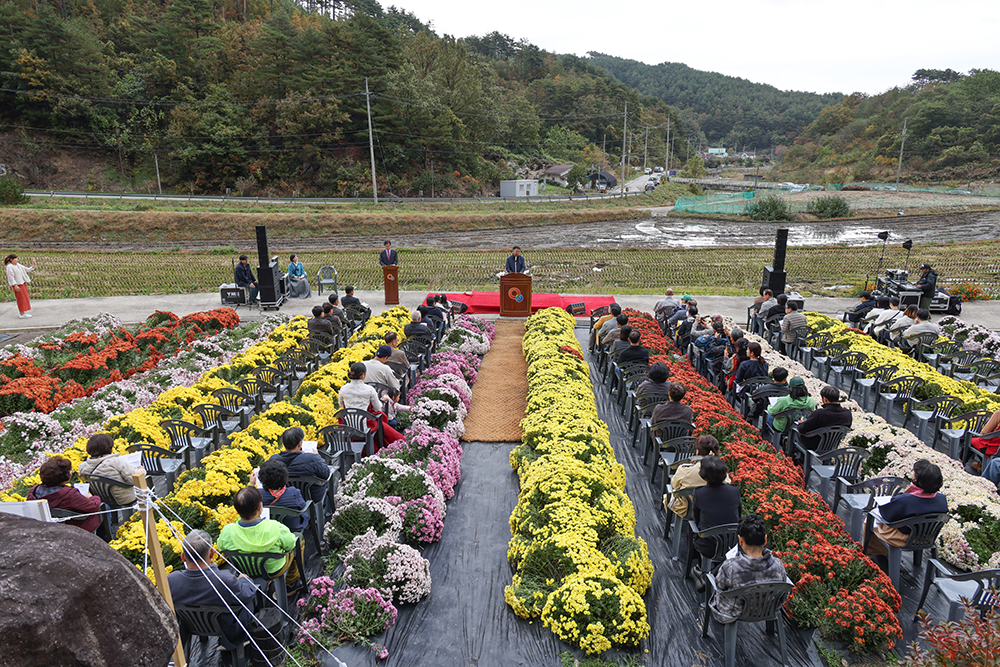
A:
(515, 295)
(390, 275)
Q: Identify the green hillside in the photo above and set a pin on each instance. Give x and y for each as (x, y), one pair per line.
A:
(726, 110)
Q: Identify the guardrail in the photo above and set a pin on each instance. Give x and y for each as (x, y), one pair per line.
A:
(136, 196)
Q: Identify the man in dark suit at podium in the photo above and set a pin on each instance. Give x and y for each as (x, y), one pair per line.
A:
(515, 262)
(388, 257)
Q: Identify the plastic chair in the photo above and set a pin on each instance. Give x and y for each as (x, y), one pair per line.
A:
(264, 393)
(961, 361)
(159, 462)
(918, 344)
(897, 390)
(315, 526)
(676, 519)
(812, 343)
(237, 402)
(849, 363)
(756, 387)
(941, 351)
(799, 335)
(843, 466)
(103, 488)
(673, 453)
(725, 536)
(642, 412)
(969, 452)
(357, 420)
(321, 345)
(255, 566)
(972, 586)
(103, 529)
(272, 377)
(956, 431)
(188, 438)
(303, 362)
(204, 621)
(326, 277)
(933, 409)
(871, 379)
(336, 442)
(218, 419)
(661, 432)
(631, 377)
(860, 498)
(822, 355)
(829, 439)
(781, 440)
(924, 529)
(761, 602)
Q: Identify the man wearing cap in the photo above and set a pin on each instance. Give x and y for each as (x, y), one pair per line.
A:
(681, 312)
(378, 371)
(927, 285)
(797, 398)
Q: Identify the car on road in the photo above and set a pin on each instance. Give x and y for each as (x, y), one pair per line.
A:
(657, 169)
(650, 186)
(647, 171)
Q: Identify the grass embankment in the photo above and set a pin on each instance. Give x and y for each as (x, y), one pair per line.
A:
(117, 221)
(811, 270)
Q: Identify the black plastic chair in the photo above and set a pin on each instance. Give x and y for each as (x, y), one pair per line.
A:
(103, 529)
(957, 431)
(336, 442)
(673, 453)
(941, 351)
(159, 462)
(321, 346)
(315, 530)
(781, 440)
(204, 621)
(761, 602)
(751, 386)
(237, 403)
(272, 377)
(103, 488)
(642, 412)
(897, 390)
(264, 394)
(661, 432)
(677, 520)
(725, 537)
(956, 586)
(924, 529)
(847, 364)
(829, 440)
(812, 343)
(931, 410)
(916, 346)
(187, 438)
(357, 420)
(221, 421)
(821, 356)
(860, 498)
(255, 567)
(302, 361)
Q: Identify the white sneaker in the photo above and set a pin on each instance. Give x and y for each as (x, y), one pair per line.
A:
(21, 316)
(27, 314)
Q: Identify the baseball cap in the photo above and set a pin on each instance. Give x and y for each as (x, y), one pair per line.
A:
(925, 265)
(796, 382)
(686, 297)
(383, 351)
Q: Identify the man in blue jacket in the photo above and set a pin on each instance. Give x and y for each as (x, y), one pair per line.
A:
(515, 262)
(303, 463)
(243, 276)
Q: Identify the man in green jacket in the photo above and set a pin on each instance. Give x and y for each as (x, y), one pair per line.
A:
(254, 535)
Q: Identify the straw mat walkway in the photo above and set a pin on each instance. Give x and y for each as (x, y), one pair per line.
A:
(499, 397)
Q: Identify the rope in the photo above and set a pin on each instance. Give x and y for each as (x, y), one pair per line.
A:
(61, 519)
(144, 502)
(278, 606)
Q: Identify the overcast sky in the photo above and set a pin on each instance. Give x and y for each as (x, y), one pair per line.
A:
(854, 45)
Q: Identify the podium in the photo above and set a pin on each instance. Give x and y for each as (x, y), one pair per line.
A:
(390, 277)
(515, 295)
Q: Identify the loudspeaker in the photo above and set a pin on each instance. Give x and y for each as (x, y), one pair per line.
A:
(773, 279)
(780, 247)
(577, 309)
(266, 269)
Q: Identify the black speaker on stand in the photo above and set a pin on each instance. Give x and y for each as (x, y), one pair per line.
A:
(774, 275)
(268, 274)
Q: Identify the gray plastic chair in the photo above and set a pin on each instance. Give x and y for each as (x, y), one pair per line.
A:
(924, 529)
(843, 466)
(930, 410)
(159, 462)
(660, 433)
(643, 412)
(326, 277)
(972, 586)
(956, 431)
(860, 498)
(204, 621)
(897, 390)
(676, 520)
(191, 439)
(762, 602)
(829, 440)
(673, 454)
(870, 380)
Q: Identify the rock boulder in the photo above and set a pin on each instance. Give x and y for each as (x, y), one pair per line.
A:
(67, 598)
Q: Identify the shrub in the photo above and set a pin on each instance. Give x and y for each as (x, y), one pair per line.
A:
(768, 208)
(965, 642)
(831, 206)
(11, 192)
(969, 292)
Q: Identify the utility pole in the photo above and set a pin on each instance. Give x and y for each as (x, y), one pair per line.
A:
(604, 144)
(624, 136)
(156, 159)
(899, 165)
(432, 179)
(371, 141)
(645, 151)
(666, 161)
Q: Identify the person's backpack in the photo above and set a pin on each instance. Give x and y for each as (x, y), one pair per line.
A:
(703, 341)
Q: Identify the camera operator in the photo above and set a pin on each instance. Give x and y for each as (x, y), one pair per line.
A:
(927, 285)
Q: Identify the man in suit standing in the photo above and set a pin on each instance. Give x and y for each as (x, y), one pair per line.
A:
(243, 277)
(388, 257)
(515, 262)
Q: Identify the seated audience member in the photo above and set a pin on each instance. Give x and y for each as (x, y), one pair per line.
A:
(830, 413)
(886, 318)
(349, 298)
(357, 395)
(702, 327)
(921, 498)
(765, 294)
(768, 303)
(902, 323)
(397, 356)
(715, 504)
(881, 305)
(666, 306)
(733, 360)
(673, 410)
(681, 313)
(416, 327)
(298, 462)
(657, 380)
(254, 535)
(317, 324)
(273, 477)
(688, 475)
(390, 401)
(335, 320)
(753, 564)
(779, 381)
(201, 582)
(634, 353)
(432, 308)
(615, 332)
(793, 320)
(377, 371)
(859, 311)
(105, 463)
(55, 473)
(778, 309)
(621, 343)
(753, 367)
(604, 324)
(686, 327)
(798, 397)
(923, 325)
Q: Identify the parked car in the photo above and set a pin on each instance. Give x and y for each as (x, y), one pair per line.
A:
(647, 171)
(657, 169)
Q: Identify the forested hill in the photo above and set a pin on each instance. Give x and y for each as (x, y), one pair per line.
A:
(270, 96)
(728, 110)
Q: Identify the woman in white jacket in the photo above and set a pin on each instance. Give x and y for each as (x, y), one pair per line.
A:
(18, 279)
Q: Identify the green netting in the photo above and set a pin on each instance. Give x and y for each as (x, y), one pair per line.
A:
(730, 203)
(976, 190)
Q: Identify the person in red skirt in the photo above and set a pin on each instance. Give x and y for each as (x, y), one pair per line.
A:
(18, 279)
(988, 446)
(360, 396)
